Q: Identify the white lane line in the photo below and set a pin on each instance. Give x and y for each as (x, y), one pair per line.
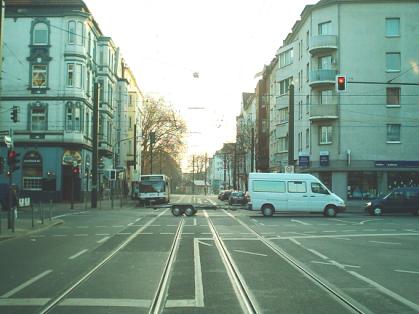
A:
(82, 227)
(59, 235)
(251, 253)
(202, 242)
(188, 232)
(103, 239)
(102, 234)
(386, 230)
(381, 242)
(330, 231)
(130, 224)
(296, 242)
(120, 226)
(199, 287)
(78, 254)
(194, 221)
(155, 226)
(146, 233)
(368, 220)
(100, 226)
(406, 271)
(386, 291)
(349, 230)
(166, 233)
(25, 284)
(343, 239)
(301, 222)
(334, 263)
(81, 235)
(138, 219)
(372, 230)
(318, 254)
(24, 302)
(106, 302)
(124, 233)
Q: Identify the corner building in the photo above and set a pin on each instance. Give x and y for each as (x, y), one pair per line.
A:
(364, 141)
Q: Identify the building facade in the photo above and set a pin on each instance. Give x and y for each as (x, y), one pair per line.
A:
(360, 142)
(54, 52)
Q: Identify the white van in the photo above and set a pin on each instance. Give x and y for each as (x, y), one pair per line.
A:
(292, 192)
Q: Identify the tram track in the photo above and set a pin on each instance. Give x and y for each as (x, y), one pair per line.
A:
(322, 283)
(54, 302)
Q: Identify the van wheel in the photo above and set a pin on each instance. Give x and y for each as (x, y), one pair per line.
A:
(330, 211)
(267, 210)
(377, 211)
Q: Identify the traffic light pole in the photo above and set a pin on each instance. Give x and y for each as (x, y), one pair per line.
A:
(95, 154)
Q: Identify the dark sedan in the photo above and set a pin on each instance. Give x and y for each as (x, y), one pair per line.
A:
(237, 197)
(400, 200)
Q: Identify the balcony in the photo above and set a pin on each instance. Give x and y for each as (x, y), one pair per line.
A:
(323, 43)
(323, 112)
(322, 78)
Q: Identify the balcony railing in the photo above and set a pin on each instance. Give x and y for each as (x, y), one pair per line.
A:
(322, 77)
(323, 43)
(323, 112)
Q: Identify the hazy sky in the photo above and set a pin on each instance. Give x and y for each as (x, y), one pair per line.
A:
(226, 41)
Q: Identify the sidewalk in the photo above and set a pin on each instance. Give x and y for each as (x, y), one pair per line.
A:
(24, 224)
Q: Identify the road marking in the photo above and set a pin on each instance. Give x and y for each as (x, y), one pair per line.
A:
(251, 253)
(70, 214)
(406, 271)
(318, 254)
(155, 226)
(386, 291)
(194, 221)
(188, 232)
(100, 226)
(106, 302)
(81, 235)
(25, 284)
(334, 263)
(296, 242)
(345, 236)
(386, 230)
(59, 235)
(204, 243)
(301, 222)
(343, 239)
(117, 226)
(330, 231)
(368, 220)
(380, 242)
(349, 230)
(78, 254)
(372, 230)
(166, 233)
(146, 233)
(103, 239)
(124, 233)
(102, 234)
(24, 302)
(82, 227)
(138, 219)
(199, 287)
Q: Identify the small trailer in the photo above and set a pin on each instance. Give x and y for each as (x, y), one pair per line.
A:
(188, 209)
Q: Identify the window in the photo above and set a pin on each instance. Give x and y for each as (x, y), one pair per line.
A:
(393, 62)
(72, 32)
(284, 85)
(79, 73)
(80, 33)
(307, 138)
(73, 117)
(283, 115)
(39, 76)
(393, 96)
(393, 133)
(286, 58)
(297, 187)
(300, 141)
(325, 97)
(307, 72)
(318, 188)
(325, 63)
(70, 74)
(38, 118)
(307, 40)
(325, 28)
(283, 144)
(393, 27)
(40, 34)
(325, 135)
(269, 186)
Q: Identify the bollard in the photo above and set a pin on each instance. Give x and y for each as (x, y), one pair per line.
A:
(33, 216)
(50, 210)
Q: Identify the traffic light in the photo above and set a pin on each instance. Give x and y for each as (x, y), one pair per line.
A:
(13, 160)
(76, 171)
(341, 83)
(13, 114)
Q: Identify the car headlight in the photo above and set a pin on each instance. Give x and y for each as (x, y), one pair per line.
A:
(368, 204)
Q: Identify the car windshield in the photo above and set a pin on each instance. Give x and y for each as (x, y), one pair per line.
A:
(218, 156)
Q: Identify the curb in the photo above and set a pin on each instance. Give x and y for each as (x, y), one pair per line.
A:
(55, 222)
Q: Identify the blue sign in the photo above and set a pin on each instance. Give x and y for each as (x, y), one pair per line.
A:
(304, 161)
(324, 160)
(397, 164)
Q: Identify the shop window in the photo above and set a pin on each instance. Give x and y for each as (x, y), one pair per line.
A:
(32, 171)
(362, 185)
(403, 179)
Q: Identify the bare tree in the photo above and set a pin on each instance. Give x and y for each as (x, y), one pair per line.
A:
(163, 132)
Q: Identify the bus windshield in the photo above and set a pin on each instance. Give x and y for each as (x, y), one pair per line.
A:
(151, 187)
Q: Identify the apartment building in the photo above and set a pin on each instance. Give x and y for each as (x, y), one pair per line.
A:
(363, 141)
(54, 52)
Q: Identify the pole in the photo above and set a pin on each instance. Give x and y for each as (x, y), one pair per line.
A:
(225, 170)
(205, 179)
(291, 126)
(252, 151)
(95, 154)
(193, 174)
(135, 146)
(72, 189)
(235, 168)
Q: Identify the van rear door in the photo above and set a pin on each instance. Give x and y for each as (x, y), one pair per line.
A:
(298, 195)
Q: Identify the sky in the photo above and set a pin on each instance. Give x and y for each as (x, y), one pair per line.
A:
(227, 42)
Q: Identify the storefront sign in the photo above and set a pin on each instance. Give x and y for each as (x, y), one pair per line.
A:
(324, 158)
(397, 164)
(71, 156)
(32, 159)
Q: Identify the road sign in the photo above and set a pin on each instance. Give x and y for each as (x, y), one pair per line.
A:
(289, 169)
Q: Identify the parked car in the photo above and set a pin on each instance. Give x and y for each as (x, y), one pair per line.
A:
(237, 197)
(224, 195)
(400, 200)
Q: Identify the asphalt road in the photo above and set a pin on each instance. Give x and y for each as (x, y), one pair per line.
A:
(126, 260)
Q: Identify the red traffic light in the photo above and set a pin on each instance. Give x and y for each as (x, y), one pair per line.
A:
(11, 154)
(340, 83)
(76, 170)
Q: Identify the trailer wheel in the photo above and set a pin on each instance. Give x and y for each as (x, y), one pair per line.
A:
(177, 211)
(190, 211)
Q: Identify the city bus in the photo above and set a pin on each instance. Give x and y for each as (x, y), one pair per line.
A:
(154, 188)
